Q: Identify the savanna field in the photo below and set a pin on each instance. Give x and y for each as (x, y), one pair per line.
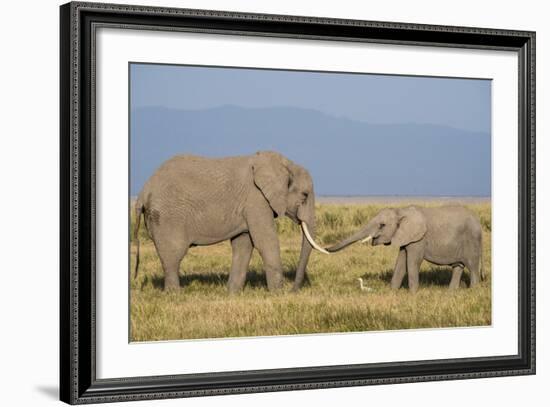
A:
(331, 301)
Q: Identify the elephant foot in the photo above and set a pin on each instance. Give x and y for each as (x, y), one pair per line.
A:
(234, 290)
(295, 288)
(474, 283)
(171, 284)
(236, 283)
(275, 288)
(274, 282)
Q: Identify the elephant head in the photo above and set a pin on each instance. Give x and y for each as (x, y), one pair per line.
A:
(288, 188)
(399, 227)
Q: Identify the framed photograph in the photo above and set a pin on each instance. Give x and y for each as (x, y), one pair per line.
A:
(254, 203)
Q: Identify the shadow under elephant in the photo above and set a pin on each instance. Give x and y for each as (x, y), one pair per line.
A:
(434, 276)
(255, 278)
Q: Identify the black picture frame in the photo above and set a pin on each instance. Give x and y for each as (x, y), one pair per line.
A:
(78, 382)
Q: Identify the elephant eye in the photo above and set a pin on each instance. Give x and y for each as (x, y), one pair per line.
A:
(382, 225)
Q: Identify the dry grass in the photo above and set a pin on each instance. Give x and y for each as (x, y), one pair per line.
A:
(331, 302)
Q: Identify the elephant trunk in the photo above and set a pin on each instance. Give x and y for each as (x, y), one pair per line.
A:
(307, 218)
(302, 263)
(364, 235)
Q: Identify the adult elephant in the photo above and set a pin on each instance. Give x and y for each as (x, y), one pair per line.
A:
(197, 201)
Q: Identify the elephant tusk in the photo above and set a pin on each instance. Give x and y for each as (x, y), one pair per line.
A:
(310, 239)
(365, 240)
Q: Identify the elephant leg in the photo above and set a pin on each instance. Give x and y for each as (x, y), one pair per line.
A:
(269, 251)
(264, 237)
(455, 279)
(415, 256)
(171, 254)
(474, 266)
(170, 251)
(399, 270)
(242, 251)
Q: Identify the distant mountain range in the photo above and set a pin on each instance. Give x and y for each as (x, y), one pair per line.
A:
(344, 157)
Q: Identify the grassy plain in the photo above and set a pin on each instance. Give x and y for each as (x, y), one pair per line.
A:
(331, 301)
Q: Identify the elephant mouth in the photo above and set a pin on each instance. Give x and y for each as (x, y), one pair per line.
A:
(376, 241)
(293, 218)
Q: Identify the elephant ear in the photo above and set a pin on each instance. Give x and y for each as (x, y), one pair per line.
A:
(272, 178)
(411, 228)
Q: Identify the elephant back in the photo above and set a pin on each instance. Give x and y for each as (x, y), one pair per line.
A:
(196, 183)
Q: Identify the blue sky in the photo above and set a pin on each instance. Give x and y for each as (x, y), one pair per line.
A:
(462, 104)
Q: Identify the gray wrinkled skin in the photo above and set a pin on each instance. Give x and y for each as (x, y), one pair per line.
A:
(447, 235)
(196, 201)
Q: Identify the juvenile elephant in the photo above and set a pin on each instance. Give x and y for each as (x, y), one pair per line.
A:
(447, 235)
(196, 201)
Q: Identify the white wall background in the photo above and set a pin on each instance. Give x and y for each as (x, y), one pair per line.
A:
(29, 162)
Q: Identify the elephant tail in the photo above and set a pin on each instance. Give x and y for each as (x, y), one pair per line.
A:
(138, 211)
